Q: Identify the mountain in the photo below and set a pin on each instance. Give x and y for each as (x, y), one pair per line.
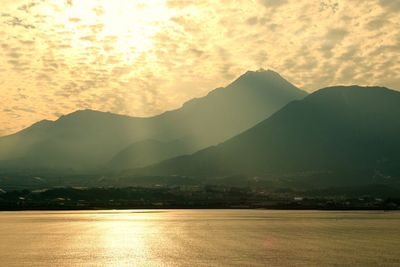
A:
(349, 134)
(146, 152)
(88, 140)
(214, 118)
(78, 140)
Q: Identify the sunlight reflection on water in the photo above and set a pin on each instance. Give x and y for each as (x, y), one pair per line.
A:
(199, 238)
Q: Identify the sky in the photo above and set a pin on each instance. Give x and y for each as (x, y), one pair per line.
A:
(141, 58)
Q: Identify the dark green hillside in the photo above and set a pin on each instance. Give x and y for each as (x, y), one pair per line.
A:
(335, 131)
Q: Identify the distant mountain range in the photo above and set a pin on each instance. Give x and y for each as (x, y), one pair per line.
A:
(87, 140)
(260, 129)
(351, 134)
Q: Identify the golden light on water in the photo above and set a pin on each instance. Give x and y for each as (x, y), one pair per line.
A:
(125, 239)
(199, 238)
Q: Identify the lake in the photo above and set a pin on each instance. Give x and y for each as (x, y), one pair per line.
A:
(199, 238)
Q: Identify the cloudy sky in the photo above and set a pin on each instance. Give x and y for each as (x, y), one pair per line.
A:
(143, 57)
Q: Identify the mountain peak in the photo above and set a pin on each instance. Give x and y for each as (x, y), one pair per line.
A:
(86, 139)
(42, 122)
(86, 111)
(336, 135)
(266, 80)
(251, 74)
(89, 113)
(263, 72)
(351, 90)
(262, 75)
(79, 113)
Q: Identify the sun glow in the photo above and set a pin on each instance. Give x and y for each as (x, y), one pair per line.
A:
(143, 57)
(122, 26)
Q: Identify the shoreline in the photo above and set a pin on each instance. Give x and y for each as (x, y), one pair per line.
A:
(199, 208)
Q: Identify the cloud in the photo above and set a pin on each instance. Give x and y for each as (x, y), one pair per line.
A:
(181, 4)
(90, 38)
(252, 20)
(27, 42)
(28, 110)
(336, 34)
(273, 3)
(74, 19)
(376, 23)
(98, 10)
(27, 7)
(329, 5)
(17, 22)
(70, 55)
(332, 38)
(392, 5)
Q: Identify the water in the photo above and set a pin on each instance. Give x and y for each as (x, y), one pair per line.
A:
(199, 238)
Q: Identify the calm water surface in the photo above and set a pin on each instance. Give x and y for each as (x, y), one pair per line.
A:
(199, 238)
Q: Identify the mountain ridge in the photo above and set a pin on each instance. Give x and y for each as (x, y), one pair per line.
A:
(345, 128)
(86, 139)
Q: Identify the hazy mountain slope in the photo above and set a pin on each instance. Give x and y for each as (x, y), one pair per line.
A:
(334, 130)
(220, 115)
(148, 152)
(16, 145)
(78, 140)
(88, 139)
(248, 100)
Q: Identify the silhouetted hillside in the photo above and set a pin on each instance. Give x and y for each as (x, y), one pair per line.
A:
(340, 133)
